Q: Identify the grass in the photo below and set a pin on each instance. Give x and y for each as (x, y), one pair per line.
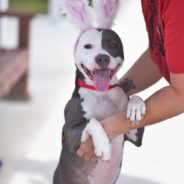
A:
(37, 6)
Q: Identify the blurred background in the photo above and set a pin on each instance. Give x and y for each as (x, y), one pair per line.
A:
(37, 76)
(38, 6)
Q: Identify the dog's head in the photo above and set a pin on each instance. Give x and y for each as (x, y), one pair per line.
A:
(99, 55)
(98, 51)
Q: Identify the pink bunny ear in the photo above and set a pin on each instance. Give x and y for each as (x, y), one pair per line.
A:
(106, 11)
(78, 13)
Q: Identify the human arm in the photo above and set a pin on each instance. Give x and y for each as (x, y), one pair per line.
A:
(164, 104)
(168, 101)
(143, 74)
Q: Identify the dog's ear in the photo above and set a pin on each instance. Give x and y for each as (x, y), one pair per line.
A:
(78, 12)
(105, 12)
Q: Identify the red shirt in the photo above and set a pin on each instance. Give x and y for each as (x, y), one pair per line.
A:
(165, 25)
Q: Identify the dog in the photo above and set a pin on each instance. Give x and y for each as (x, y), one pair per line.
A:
(97, 95)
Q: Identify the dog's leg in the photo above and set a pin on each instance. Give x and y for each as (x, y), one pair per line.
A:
(136, 109)
(135, 136)
(100, 140)
(75, 123)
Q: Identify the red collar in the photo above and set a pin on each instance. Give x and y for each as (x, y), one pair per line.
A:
(81, 83)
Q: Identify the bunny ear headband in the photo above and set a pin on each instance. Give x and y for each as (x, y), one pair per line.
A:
(81, 14)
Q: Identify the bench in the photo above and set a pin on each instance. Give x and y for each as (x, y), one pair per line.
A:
(14, 66)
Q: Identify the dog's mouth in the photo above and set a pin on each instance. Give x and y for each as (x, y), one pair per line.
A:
(101, 77)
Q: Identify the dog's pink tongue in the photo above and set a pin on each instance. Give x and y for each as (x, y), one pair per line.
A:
(101, 80)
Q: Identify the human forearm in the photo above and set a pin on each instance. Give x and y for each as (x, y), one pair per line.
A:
(162, 105)
(141, 75)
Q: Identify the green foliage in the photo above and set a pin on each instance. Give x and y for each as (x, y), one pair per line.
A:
(37, 6)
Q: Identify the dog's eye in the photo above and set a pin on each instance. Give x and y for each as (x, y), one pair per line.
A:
(88, 46)
(114, 45)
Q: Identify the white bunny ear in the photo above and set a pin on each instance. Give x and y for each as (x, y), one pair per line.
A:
(106, 11)
(77, 11)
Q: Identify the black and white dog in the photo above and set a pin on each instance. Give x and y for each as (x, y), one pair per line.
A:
(97, 95)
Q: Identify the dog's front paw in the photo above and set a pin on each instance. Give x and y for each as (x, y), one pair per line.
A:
(136, 109)
(100, 140)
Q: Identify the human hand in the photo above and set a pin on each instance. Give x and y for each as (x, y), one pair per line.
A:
(99, 144)
(86, 150)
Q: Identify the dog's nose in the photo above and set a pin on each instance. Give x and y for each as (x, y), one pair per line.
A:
(102, 60)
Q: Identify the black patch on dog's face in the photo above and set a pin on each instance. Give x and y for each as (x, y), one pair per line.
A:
(111, 42)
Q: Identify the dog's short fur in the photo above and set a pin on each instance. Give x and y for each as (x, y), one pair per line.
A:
(98, 57)
(84, 111)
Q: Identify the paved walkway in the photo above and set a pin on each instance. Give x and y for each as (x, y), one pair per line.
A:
(30, 131)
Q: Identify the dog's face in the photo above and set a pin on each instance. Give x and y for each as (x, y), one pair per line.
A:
(99, 55)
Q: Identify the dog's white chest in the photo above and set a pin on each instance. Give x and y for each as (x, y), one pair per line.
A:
(100, 105)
